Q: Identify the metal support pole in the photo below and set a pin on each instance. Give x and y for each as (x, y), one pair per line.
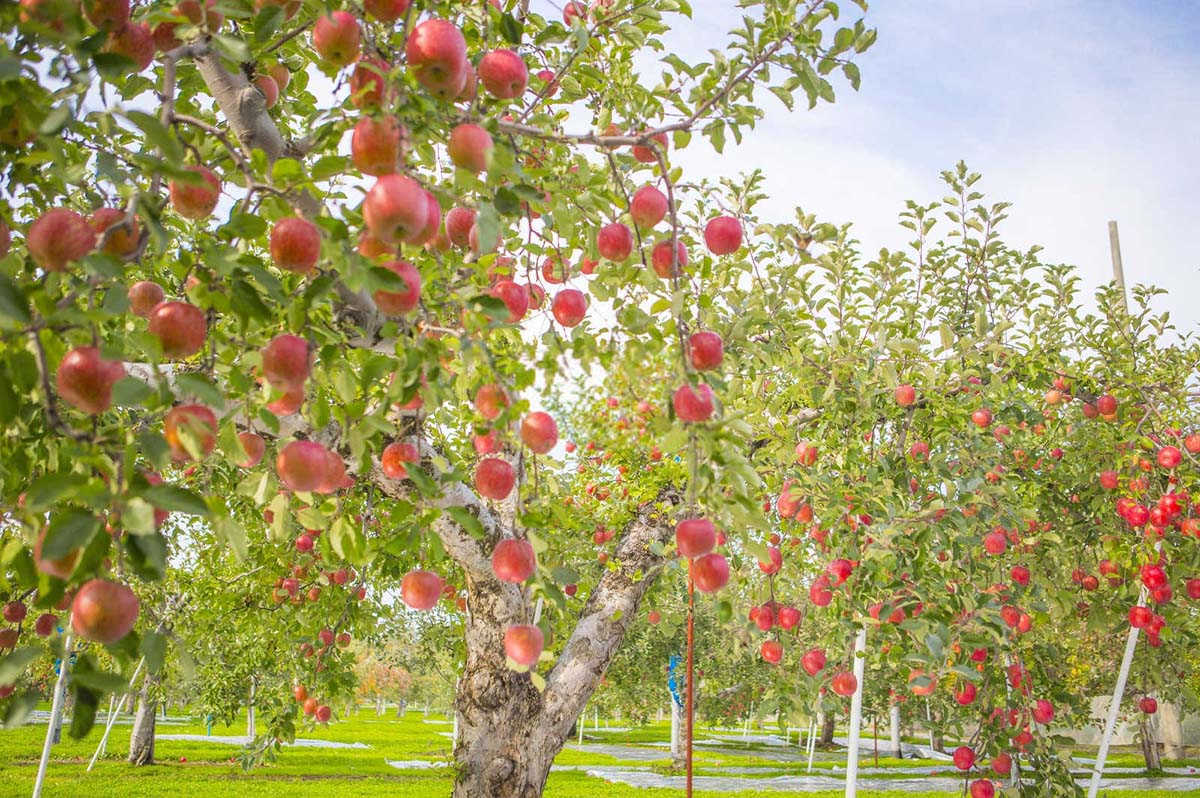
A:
(56, 709)
(860, 664)
(112, 715)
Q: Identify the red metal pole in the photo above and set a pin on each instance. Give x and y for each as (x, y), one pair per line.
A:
(691, 640)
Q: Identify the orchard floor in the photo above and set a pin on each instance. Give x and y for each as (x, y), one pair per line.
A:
(406, 757)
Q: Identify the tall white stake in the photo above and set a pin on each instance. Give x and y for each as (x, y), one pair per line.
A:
(812, 743)
(1114, 708)
(56, 709)
(112, 715)
(860, 664)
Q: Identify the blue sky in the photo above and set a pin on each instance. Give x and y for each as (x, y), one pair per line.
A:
(1077, 112)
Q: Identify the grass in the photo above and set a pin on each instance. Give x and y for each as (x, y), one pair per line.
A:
(188, 768)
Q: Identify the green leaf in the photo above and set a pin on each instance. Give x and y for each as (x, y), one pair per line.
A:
(69, 530)
(56, 120)
(347, 541)
(470, 524)
(19, 710)
(13, 304)
(510, 28)
(201, 387)
(176, 499)
(287, 170)
(13, 665)
(424, 483)
(507, 202)
(131, 392)
(83, 716)
(49, 489)
(487, 224)
(246, 302)
(147, 555)
(100, 681)
(154, 649)
(234, 535)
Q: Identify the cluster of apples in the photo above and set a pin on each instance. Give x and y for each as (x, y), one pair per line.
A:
(15, 612)
(310, 705)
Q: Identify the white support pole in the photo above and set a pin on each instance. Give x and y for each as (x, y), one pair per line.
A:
(1114, 709)
(56, 709)
(250, 726)
(812, 739)
(860, 664)
(929, 725)
(112, 715)
(676, 736)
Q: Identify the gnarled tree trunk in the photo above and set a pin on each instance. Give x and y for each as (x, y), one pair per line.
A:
(141, 741)
(827, 729)
(1149, 744)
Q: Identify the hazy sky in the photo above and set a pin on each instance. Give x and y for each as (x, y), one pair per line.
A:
(1076, 111)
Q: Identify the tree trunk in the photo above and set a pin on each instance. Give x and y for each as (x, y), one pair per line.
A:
(894, 716)
(827, 729)
(939, 744)
(141, 741)
(508, 731)
(1149, 744)
(401, 706)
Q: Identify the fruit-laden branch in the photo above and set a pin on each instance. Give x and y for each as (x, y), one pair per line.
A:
(243, 105)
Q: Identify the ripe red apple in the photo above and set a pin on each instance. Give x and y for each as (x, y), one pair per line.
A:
(788, 617)
(323, 714)
(85, 379)
(144, 296)
(304, 543)
(572, 11)
(494, 478)
(513, 560)
(375, 145)
(135, 41)
(905, 395)
(772, 651)
(397, 303)
(964, 758)
(844, 683)
(982, 418)
(287, 403)
(123, 238)
(470, 147)
(303, 465)
(569, 306)
(1020, 575)
(335, 37)
(663, 264)
(281, 77)
(773, 562)
(421, 589)
(459, 222)
(295, 244)
(539, 432)
(58, 237)
(1106, 405)
(200, 14)
(196, 199)
(490, 400)
(285, 362)
(693, 404)
(195, 422)
(104, 611)
(1002, 764)
(107, 15)
(515, 297)
(995, 542)
(965, 695)
(1148, 705)
(813, 661)
(254, 446)
(614, 241)
(61, 567)
(982, 788)
(1043, 711)
(396, 209)
(648, 207)
(523, 644)
(1169, 457)
(723, 235)
(15, 611)
(436, 52)
(180, 328)
(645, 154)
(806, 453)
(695, 537)
(269, 89)
(488, 443)
(710, 572)
(706, 350)
(386, 10)
(1140, 617)
(394, 457)
(44, 625)
(368, 82)
(503, 73)
(839, 570)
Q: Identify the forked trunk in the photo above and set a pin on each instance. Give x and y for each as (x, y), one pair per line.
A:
(141, 741)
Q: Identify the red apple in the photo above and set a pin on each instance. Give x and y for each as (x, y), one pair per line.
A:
(254, 446)
(648, 207)
(135, 41)
(788, 617)
(569, 307)
(15, 611)
(723, 235)
(436, 52)
(539, 432)
(982, 788)
(693, 404)
(394, 457)
(397, 303)
(695, 537)
(490, 400)
(1169, 457)
(503, 73)
(710, 572)
(144, 295)
(706, 350)
(772, 651)
(645, 154)
(85, 379)
(269, 89)
(180, 328)
(813, 661)
(58, 237)
(1148, 705)
(122, 238)
(303, 466)
(459, 222)
(523, 644)
(335, 37)
(295, 244)
(663, 264)
(470, 147)
(369, 82)
(375, 145)
(45, 624)
(905, 395)
(844, 683)
(614, 241)
(196, 199)
(982, 418)
(107, 15)
(285, 362)
(964, 758)
(104, 611)
(421, 589)
(494, 478)
(965, 695)
(396, 209)
(61, 567)
(515, 297)
(386, 10)
(194, 422)
(1106, 405)
(513, 560)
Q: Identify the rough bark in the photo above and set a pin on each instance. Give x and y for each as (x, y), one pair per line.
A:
(243, 105)
(1149, 744)
(827, 730)
(141, 740)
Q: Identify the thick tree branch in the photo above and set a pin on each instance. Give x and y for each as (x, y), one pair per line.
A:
(243, 105)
